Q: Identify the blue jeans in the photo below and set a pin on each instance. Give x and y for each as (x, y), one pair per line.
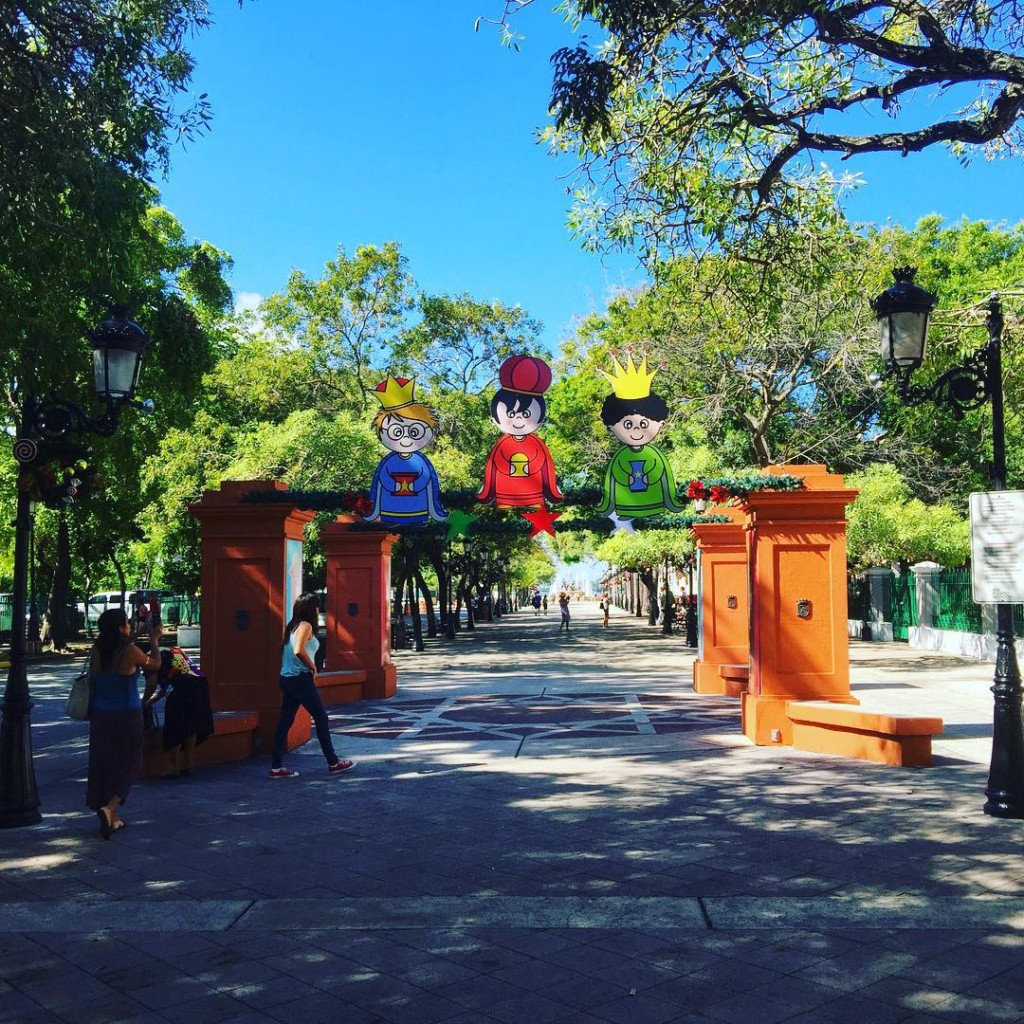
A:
(300, 691)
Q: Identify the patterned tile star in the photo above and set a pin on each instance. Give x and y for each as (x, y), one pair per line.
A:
(543, 521)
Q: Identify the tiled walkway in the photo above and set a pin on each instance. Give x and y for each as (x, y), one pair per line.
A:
(536, 716)
(540, 829)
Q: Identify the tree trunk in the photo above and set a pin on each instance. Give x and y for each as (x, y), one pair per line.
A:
(55, 625)
(414, 611)
(647, 577)
(429, 602)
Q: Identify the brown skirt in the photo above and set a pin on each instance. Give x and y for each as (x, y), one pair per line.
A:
(115, 755)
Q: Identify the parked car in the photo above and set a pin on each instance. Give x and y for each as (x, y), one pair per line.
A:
(97, 604)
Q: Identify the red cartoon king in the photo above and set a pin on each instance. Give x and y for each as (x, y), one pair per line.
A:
(520, 472)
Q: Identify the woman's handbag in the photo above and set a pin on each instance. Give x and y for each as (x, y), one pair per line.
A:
(80, 697)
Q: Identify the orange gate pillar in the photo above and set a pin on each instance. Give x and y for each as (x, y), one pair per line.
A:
(724, 654)
(251, 574)
(358, 612)
(796, 544)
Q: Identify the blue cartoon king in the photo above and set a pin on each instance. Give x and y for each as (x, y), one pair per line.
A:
(405, 488)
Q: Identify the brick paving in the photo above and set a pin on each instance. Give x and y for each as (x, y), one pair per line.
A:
(541, 828)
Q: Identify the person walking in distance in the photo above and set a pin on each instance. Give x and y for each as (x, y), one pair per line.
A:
(544, 603)
(535, 601)
(563, 611)
(605, 610)
(298, 688)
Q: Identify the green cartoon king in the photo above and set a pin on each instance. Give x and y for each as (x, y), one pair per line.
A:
(639, 480)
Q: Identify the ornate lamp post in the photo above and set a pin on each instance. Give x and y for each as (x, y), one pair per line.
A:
(118, 346)
(903, 314)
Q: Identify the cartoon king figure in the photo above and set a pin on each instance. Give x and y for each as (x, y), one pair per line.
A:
(405, 488)
(520, 472)
(639, 480)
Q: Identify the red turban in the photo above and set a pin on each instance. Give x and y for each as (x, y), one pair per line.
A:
(525, 374)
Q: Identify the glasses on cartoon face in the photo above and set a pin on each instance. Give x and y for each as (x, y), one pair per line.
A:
(413, 431)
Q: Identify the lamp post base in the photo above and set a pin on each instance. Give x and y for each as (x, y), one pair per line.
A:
(1005, 790)
(19, 796)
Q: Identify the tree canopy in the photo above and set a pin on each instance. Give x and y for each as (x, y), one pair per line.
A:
(706, 120)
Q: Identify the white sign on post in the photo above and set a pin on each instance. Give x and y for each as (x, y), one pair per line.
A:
(997, 547)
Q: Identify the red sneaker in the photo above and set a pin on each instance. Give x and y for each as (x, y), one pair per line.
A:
(340, 766)
(283, 773)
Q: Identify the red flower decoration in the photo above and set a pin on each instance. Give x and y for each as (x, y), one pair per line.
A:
(697, 491)
(719, 495)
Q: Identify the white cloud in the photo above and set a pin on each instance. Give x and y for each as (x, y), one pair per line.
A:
(246, 302)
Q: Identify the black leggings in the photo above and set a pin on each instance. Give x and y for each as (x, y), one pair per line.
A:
(300, 691)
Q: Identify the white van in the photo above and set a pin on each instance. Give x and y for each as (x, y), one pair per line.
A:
(97, 604)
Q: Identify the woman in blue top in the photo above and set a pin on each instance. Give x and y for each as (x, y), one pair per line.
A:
(115, 715)
(298, 688)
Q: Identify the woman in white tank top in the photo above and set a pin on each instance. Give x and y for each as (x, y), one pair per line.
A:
(298, 688)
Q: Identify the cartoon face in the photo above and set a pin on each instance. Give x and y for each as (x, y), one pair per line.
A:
(524, 418)
(636, 430)
(404, 436)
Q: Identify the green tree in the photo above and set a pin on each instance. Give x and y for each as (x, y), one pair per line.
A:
(644, 552)
(350, 319)
(887, 526)
(460, 341)
(700, 120)
(943, 456)
(89, 108)
(177, 289)
(759, 366)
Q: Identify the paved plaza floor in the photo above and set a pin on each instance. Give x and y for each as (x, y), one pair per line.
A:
(541, 828)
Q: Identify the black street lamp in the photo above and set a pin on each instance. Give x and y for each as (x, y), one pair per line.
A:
(903, 312)
(118, 347)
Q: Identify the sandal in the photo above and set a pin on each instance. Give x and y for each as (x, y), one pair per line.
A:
(106, 826)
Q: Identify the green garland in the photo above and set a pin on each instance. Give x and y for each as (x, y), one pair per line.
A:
(720, 489)
(489, 524)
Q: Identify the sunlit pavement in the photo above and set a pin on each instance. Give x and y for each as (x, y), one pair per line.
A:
(541, 828)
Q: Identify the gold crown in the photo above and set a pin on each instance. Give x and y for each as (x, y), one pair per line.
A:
(395, 392)
(630, 381)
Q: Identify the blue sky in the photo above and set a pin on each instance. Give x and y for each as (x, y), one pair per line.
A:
(352, 122)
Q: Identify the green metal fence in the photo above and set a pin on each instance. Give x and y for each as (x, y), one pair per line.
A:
(957, 610)
(903, 595)
(72, 615)
(858, 598)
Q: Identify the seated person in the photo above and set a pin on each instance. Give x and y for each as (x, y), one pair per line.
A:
(188, 716)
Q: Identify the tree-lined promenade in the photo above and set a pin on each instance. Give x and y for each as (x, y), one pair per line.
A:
(765, 349)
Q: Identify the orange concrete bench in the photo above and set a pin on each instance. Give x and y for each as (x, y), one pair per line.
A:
(735, 679)
(850, 730)
(233, 739)
(341, 687)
